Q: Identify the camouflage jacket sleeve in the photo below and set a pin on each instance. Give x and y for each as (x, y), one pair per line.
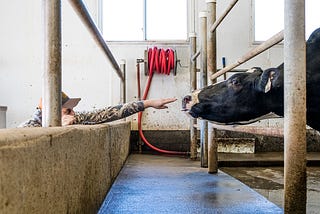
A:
(35, 121)
(108, 114)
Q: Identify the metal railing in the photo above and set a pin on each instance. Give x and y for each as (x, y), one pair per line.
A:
(87, 20)
(212, 161)
(294, 131)
(252, 53)
(52, 74)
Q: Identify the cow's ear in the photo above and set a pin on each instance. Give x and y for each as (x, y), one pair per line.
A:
(266, 79)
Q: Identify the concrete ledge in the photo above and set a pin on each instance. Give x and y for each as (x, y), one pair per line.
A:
(236, 145)
(60, 170)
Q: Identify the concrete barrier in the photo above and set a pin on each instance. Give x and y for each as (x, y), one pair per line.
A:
(60, 170)
(3, 117)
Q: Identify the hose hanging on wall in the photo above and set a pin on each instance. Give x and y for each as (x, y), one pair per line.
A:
(163, 62)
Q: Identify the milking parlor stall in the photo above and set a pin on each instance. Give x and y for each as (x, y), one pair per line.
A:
(241, 137)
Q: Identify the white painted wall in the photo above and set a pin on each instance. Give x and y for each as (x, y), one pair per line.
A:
(86, 70)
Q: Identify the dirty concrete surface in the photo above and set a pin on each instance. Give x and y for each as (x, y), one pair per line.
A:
(268, 181)
(169, 184)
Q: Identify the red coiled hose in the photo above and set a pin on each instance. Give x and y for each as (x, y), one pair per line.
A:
(161, 61)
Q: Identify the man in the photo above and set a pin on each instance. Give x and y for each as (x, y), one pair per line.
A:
(108, 114)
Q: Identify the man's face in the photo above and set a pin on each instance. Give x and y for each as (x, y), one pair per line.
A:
(67, 111)
(67, 116)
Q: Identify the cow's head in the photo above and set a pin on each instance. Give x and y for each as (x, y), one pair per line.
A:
(241, 99)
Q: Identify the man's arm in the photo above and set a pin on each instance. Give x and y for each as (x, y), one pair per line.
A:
(119, 111)
(158, 103)
(35, 121)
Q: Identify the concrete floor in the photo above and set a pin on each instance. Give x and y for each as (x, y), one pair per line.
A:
(268, 178)
(268, 181)
(261, 159)
(167, 184)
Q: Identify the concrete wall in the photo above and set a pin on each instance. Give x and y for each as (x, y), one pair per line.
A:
(87, 72)
(60, 170)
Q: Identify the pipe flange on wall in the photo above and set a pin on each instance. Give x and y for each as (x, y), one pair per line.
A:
(192, 34)
(203, 14)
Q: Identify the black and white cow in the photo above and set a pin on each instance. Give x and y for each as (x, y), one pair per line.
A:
(250, 96)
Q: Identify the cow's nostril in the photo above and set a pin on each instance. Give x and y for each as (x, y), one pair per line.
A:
(187, 99)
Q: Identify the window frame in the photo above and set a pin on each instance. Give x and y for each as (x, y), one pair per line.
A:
(253, 26)
(144, 41)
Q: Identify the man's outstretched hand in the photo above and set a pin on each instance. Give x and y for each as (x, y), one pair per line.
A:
(158, 103)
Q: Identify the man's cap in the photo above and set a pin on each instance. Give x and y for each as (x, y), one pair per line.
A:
(66, 101)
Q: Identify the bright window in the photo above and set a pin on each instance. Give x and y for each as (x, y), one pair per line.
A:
(269, 18)
(139, 20)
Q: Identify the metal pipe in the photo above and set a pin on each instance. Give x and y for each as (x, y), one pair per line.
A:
(193, 78)
(203, 40)
(252, 53)
(144, 20)
(267, 131)
(211, 38)
(192, 17)
(203, 83)
(294, 107)
(223, 15)
(212, 150)
(123, 83)
(195, 55)
(211, 69)
(193, 86)
(86, 18)
(51, 94)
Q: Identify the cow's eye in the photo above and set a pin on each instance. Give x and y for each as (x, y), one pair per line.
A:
(235, 82)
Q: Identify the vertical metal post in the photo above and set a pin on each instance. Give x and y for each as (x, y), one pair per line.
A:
(123, 82)
(193, 85)
(294, 107)
(211, 39)
(203, 83)
(193, 78)
(51, 94)
(192, 20)
(144, 19)
(212, 150)
(211, 69)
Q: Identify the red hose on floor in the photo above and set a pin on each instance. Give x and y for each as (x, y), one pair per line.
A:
(161, 61)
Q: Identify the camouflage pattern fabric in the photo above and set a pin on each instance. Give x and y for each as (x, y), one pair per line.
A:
(108, 114)
(35, 121)
(93, 117)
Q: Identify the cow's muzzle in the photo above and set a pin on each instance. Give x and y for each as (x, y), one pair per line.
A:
(185, 101)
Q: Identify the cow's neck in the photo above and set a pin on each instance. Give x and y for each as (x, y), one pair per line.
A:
(274, 100)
